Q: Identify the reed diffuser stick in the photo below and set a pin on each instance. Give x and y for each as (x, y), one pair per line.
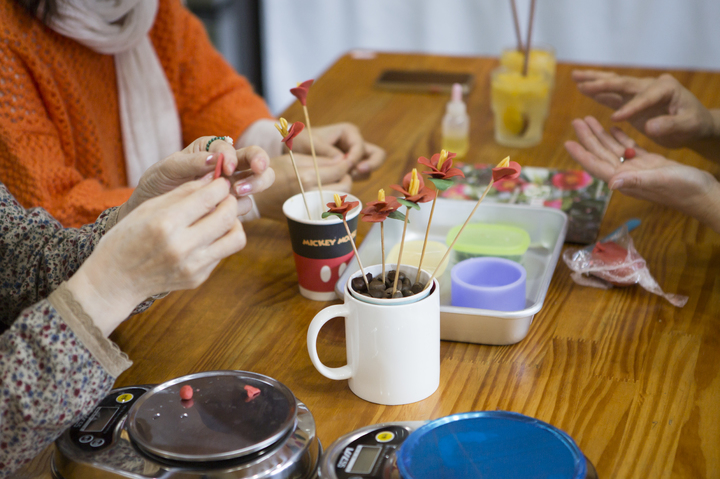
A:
(529, 36)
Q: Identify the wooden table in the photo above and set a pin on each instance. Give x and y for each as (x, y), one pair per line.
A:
(634, 380)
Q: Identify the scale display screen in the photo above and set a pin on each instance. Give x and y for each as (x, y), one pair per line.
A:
(364, 459)
(100, 419)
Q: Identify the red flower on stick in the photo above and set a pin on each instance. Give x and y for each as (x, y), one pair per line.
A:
(300, 92)
(506, 170)
(441, 174)
(415, 192)
(378, 211)
(414, 188)
(289, 134)
(340, 207)
(441, 166)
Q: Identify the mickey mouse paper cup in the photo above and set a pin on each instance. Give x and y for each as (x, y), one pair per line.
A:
(321, 247)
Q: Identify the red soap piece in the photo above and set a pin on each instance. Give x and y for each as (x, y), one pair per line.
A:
(251, 392)
(629, 153)
(186, 393)
(218, 166)
(611, 253)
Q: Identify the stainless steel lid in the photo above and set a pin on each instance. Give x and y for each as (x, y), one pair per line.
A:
(222, 421)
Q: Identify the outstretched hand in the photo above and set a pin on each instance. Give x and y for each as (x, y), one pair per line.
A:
(647, 176)
(660, 108)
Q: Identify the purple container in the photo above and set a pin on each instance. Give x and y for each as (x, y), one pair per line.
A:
(487, 282)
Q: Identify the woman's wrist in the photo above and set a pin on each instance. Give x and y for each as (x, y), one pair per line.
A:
(103, 299)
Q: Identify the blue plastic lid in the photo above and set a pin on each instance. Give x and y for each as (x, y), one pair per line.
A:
(497, 444)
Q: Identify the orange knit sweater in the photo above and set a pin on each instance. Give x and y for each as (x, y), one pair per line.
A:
(60, 135)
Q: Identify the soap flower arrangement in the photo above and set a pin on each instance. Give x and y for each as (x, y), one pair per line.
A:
(442, 174)
(290, 132)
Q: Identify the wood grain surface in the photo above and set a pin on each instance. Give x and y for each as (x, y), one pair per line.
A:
(634, 380)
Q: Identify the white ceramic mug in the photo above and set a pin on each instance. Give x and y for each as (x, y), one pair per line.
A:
(393, 351)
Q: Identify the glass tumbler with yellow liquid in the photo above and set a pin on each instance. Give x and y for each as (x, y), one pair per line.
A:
(542, 60)
(520, 106)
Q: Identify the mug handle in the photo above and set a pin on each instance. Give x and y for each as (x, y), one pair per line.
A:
(335, 311)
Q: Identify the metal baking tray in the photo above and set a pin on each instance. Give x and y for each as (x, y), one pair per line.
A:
(546, 227)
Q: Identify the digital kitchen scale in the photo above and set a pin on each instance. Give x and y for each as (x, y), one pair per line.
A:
(238, 424)
(495, 444)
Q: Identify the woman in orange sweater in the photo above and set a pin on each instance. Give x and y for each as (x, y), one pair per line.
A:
(92, 93)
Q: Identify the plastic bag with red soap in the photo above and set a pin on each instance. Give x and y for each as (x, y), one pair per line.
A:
(615, 262)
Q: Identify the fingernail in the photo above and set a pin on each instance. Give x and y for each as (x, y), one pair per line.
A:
(243, 188)
(207, 178)
(211, 158)
(616, 184)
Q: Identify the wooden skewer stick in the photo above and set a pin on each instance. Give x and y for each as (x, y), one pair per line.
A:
(402, 245)
(461, 230)
(427, 233)
(382, 247)
(302, 190)
(357, 256)
(312, 151)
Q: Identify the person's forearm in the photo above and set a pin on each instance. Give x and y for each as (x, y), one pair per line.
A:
(50, 380)
(709, 147)
(708, 212)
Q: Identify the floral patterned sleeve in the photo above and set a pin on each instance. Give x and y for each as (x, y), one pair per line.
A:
(55, 365)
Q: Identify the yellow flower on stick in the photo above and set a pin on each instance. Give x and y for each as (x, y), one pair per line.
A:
(506, 169)
(288, 134)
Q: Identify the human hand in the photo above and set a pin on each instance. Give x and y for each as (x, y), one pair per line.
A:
(168, 243)
(647, 176)
(342, 141)
(660, 108)
(247, 168)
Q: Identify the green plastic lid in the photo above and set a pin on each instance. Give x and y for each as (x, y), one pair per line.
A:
(486, 239)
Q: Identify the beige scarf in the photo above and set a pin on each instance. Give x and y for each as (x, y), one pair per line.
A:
(148, 114)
